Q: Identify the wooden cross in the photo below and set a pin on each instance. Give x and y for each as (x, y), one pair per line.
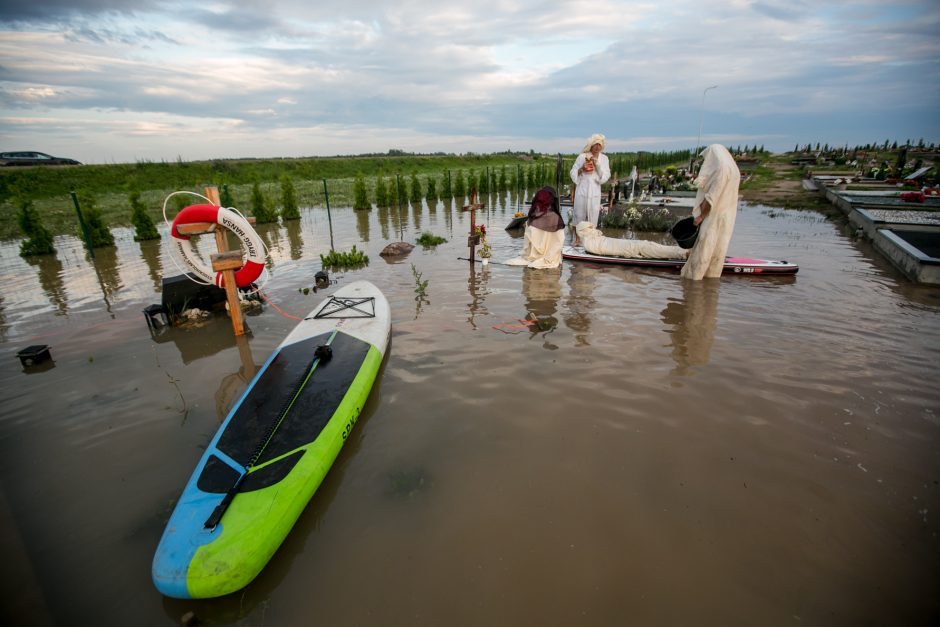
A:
(474, 238)
(224, 261)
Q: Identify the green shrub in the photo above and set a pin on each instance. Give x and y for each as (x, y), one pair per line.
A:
(260, 208)
(432, 190)
(428, 239)
(98, 231)
(144, 228)
(416, 194)
(447, 191)
(360, 196)
(289, 209)
(460, 190)
(352, 259)
(381, 192)
(38, 238)
(401, 193)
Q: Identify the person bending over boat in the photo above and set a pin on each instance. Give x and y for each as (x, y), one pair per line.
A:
(595, 242)
(590, 170)
(544, 232)
(716, 207)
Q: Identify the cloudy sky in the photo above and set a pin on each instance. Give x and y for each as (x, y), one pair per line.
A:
(127, 80)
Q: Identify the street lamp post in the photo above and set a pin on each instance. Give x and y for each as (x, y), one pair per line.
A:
(701, 118)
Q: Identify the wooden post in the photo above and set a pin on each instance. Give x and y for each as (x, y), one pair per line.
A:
(473, 239)
(227, 263)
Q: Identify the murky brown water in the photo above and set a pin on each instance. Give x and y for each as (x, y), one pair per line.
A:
(746, 451)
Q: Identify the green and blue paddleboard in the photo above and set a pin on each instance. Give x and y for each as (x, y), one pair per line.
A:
(274, 448)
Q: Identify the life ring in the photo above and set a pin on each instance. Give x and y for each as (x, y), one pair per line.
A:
(254, 264)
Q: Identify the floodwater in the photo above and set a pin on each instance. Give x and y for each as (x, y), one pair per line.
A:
(648, 451)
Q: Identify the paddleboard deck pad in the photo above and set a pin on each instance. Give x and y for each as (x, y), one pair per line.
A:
(274, 448)
(733, 265)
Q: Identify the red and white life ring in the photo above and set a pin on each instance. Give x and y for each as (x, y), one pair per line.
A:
(235, 223)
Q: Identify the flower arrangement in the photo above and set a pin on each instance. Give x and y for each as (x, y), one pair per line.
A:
(485, 250)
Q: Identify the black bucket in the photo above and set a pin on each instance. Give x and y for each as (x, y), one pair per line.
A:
(685, 232)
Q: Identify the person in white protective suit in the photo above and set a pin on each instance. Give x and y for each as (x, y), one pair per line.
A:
(596, 242)
(716, 207)
(590, 170)
(544, 232)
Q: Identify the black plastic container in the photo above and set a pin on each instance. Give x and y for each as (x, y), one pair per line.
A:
(685, 232)
(34, 355)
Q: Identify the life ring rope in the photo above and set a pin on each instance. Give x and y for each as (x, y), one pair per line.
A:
(228, 217)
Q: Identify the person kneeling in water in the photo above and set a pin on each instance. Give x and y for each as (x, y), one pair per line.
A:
(595, 242)
(544, 234)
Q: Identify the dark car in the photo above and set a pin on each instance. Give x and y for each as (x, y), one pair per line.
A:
(33, 158)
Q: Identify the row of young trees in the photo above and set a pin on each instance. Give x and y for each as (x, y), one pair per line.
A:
(39, 241)
(396, 190)
(383, 190)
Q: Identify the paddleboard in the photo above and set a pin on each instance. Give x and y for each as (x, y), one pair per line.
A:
(733, 265)
(274, 448)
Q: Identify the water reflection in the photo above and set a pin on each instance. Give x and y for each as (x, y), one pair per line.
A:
(449, 214)
(416, 211)
(232, 385)
(106, 268)
(294, 239)
(270, 236)
(691, 324)
(384, 219)
(198, 340)
(4, 327)
(477, 283)
(363, 217)
(582, 279)
(51, 279)
(542, 289)
(150, 251)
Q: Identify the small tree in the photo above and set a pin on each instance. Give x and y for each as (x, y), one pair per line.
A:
(432, 190)
(144, 228)
(260, 208)
(381, 192)
(226, 198)
(446, 190)
(98, 231)
(460, 187)
(415, 189)
(38, 238)
(401, 192)
(360, 196)
(289, 209)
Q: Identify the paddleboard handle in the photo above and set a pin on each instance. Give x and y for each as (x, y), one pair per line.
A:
(324, 353)
(216, 516)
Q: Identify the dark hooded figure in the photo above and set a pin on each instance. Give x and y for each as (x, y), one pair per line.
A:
(544, 232)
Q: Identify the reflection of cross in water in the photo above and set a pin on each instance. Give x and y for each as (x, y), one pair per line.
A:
(474, 239)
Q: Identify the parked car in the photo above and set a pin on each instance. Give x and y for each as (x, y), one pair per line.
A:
(33, 158)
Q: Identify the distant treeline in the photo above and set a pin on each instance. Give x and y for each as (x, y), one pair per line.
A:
(887, 145)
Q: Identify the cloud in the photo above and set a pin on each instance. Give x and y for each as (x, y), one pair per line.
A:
(424, 74)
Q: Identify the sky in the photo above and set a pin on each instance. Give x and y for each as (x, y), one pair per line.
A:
(121, 81)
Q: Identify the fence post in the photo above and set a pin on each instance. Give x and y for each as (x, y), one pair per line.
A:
(81, 222)
(326, 194)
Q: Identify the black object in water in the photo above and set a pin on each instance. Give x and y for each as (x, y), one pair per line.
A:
(685, 232)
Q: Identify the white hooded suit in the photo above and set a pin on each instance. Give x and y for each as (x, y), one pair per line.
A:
(718, 183)
(587, 194)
